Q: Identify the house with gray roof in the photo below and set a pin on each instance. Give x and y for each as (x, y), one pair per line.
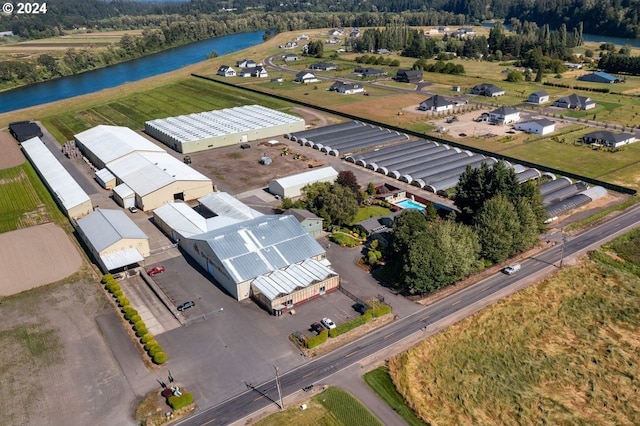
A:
(539, 97)
(575, 102)
(323, 66)
(607, 138)
(439, 103)
(486, 89)
(542, 126)
(504, 115)
(600, 77)
(308, 220)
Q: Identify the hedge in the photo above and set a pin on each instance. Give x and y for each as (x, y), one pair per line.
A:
(113, 287)
(140, 328)
(144, 339)
(151, 343)
(177, 402)
(314, 341)
(160, 358)
(350, 325)
(155, 350)
(134, 319)
(123, 301)
(129, 312)
(380, 311)
(118, 293)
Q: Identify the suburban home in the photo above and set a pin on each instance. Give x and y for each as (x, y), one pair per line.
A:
(542, 126)
(290, 57)
(539, 97)
(599, 77)
(464, 32)
(302, 37)
(486, 89)
(323, 66)
(408, 76)
(226, 71)
(260, 72)
(291, 45)
(333, 40)
(355, 32)
(379, 228)
(246, 63)
(336, 32)
(438, 103)
(244, 72)
(346, 88)
(305, 77)
(382, 52)
(369, 72)
(575, 102)
(607, 138)
(504, 115)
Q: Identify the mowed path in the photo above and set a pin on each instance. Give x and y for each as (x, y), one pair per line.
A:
(35, 256)
(11, 154)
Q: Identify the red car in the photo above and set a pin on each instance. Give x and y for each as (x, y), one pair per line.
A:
(155, 270)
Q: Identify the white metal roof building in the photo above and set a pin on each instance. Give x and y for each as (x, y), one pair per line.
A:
(223, 204)
(180, 221)
(143, 168)
(64, 188)
(113, 239)
(213, 129)
(291, 186)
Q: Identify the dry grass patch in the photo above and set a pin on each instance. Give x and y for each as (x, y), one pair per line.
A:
(564, 351)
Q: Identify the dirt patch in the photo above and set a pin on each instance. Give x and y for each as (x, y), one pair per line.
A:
(35, 256)
(11, 154)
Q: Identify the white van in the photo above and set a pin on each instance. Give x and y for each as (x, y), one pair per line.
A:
(512, 269)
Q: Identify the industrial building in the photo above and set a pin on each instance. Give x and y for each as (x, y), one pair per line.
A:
(113, 239)
(214, 129)
(24, 130)
(271, 259)
(291, 186)
(140, 173)
(73, 200)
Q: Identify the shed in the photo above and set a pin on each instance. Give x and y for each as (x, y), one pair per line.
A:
(291, 186)
(24, 130)
(599, 77)
(542, 126)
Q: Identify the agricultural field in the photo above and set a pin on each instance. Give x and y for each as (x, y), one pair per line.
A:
(332, 407)
(24, 201)
(563, 352)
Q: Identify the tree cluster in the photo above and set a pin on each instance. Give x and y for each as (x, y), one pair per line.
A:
(620, 63)
(441, 67)
(377, 60)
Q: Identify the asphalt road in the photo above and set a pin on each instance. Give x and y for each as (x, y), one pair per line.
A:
(426, 321)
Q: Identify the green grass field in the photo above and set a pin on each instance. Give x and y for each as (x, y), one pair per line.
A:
(332, 407)
(369, 212)
(24, 201)
(381, 383)
(563, 352)
(185, 96)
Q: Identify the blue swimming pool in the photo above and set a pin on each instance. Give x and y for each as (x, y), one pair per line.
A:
(409, 204)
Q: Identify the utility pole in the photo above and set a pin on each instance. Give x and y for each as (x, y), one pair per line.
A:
(564, 242)
(278, 386)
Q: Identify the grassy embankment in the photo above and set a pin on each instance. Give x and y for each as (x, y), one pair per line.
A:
(24, 200)
(332, 407)
(564, 351)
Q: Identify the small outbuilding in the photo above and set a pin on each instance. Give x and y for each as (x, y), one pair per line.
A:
(24, 130)
(542, 126)
(113, 239)
(291, 186)
(309, 221)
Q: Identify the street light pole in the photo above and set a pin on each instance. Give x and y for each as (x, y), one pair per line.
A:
(564, 241)
(278, 386)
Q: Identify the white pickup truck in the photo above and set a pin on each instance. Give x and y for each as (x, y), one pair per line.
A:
(512, 269)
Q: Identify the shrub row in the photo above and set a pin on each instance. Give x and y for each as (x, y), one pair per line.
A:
(152, 347)
(314, 341)
(350, 325)
(588, 89)
(177, 402)
(380, 311)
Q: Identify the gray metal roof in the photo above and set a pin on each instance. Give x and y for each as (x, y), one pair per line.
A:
(566, 205)
(550, 186)
(261, 245)
(307, 177)
(223, 204)
(103, 228)
(121, 258)
(181, 218)
(62, 184)
(305, 134)
(528, 175)
(296, 276)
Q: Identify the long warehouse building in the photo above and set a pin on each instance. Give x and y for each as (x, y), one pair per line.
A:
(213, 129)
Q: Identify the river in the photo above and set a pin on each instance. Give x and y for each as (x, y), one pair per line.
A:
(125, 72)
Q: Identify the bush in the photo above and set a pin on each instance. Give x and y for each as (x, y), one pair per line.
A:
(129, 312)
(140, 328)
(150, 343)
(107, 277)
(134, 319)
(123, 301)
(118, 293)
(160, 358)
(380, 311)
(154, 350)
(113, 287)
(177, 402)
(145, 338)
(314, 341)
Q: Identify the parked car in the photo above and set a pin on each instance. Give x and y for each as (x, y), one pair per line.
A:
(512, 269)
(359, 308)
(186, 305)
(133, 209)
(245, 146)
(155, 270)
(317, 327)
(328, 323)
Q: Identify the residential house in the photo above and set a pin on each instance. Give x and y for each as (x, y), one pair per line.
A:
(486, 89)
(291, 45)
(309, 221)
(382, 52)
(346, 88)
(333, 40)
(336, 32)
(260, 71)
(607, 138)
(323, 66)
(542, 126)
(573, 66)
(302, 37)
(305, 77)
(504, 115)
(246, 63)
(408, 76)
(464, 32)
(438, 103)
(226, 71)
(539, 97)
(369, 72)
(290, 57)
(575, 102)
(599, 77)
(443, 30)
(244, 72)
(355, 32)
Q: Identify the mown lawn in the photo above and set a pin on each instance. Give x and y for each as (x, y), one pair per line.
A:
(369, 212)
(24, 201)
(565, 351)
(332, 407)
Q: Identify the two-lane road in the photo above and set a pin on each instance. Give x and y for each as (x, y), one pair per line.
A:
(426, 321)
